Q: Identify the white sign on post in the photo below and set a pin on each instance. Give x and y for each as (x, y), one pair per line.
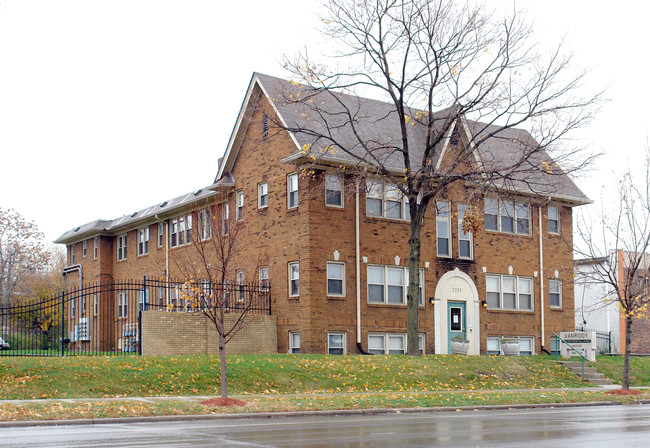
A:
(582, 341)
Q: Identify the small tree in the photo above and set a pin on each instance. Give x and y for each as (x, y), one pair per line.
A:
(448, 72)
(207, 268)
(620, 234)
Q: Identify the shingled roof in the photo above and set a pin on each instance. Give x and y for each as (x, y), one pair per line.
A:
(376, 122)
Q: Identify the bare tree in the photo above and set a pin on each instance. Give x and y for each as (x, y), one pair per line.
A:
(207, 266)
(620, 235)
(22, 253)
(454, 81)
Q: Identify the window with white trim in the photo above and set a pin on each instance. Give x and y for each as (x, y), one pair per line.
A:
(225, 219)
(335, 279)
(294, 279)
(161, 233)
(143, 240)
(526, 344)
(508, 292)
(389, 285)
(205, 224)
(95, 248)
(391, 343)
(553, 219)
(443, 228)
(71, 253)
(386, 201)
(95, 305)
(240, 296)
(239, 211)
(555, 291)
(83, 305)
(264, 279)
(292, 190)
(336, 343)
(143, 300)
(294, 342)
(263, 195)
(465, 242)
(121, 247)
(122, 301)
(84, 248)
(181, 231)
(507, 216)
(334, 190)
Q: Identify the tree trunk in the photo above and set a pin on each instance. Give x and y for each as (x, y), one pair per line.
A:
(222, 359)
(625, 382)
(412, 325)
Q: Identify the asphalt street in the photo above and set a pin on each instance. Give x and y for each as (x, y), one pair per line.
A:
(593, 427)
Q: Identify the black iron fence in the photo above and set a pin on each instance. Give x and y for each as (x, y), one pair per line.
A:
(603, 339)
(105, 318)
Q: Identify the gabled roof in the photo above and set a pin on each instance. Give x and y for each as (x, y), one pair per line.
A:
(376, 121)
(142, 217)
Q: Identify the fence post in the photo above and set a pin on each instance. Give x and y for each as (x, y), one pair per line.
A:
(62, 322)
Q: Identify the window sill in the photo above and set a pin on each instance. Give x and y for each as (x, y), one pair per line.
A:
(293, 298)
(392, 305)
(335, 207)
(499, 310)
(497, 232)
(382, 218)
(336, 297)
(556, 308)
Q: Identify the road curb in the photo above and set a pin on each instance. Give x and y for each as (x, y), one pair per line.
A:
(334, 412)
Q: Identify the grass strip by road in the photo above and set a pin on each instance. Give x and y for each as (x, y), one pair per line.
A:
(34, 411)
(74, 377)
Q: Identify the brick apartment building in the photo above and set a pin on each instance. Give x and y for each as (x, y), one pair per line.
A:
(334, 245)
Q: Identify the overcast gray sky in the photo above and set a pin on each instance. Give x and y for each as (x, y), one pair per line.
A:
(107, 107)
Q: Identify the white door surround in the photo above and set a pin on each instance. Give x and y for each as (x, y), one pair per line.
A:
(456, 286)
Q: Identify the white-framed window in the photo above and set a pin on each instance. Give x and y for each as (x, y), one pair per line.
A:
(335, 279)
(292, 190)
(555, 291)
(181, 231)
(95, 248)
(161, 234)
(526, 344)
(465, 241)
(121, 247)
(95, 305)
(294, 342)
(73, 307)
(143, 300)
(389, 285)
(508, 292)
(122, 303)
(336, 343)
(443, 228)
(391, 343)
(225, 219)
(84, 247)
(386, 201)
(262, 195)
(294, 279)
(507, 216)
(83, 305)
(239, 211)
(143, 240)
(205, 224)
(161, 296)
(264, 279)
(334, 190)
(240, 296)
(71, 253)
(553, 219)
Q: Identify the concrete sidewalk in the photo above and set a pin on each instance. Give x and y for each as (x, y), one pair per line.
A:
(199, 398)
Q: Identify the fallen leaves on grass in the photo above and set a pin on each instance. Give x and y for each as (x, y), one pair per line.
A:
(222, 402)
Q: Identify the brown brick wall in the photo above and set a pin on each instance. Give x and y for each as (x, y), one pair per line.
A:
(640, 335)
(165, 333)
(275, 236)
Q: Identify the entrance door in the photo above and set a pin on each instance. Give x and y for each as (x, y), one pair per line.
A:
(456, 324)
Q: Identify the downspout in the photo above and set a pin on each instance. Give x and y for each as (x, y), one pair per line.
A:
(166, 258)
(541, 279)
(358, 269)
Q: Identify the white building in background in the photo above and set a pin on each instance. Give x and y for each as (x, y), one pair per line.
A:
(593, 312)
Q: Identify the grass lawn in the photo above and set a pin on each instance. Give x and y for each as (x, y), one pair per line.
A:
(612, 367)
(271, 383)
(71, 377)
